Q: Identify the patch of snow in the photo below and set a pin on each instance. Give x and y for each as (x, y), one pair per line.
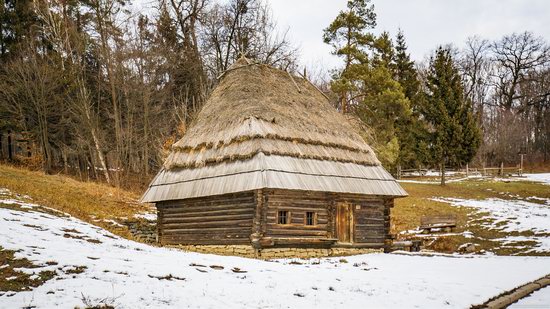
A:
(539, 299)
(543, 178)
(147, 216)
(537, 177)
(514, 215)
(542, 199)
(19, 203)
(542, 246)
(111, 221)
(540, 177)
(131, 274)
(511, 216)
(5, 191)
(436, 182)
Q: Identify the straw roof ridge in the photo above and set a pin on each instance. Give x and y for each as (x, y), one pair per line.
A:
(245, 156)
(258, 102)
(243, 138)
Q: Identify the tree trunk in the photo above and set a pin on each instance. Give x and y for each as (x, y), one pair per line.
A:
(442, 171)
(344, 103)
(84, 100)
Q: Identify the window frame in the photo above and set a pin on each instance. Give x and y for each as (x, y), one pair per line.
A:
(287, 218)
(313, 218)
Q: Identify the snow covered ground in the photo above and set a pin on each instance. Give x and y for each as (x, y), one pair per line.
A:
(539, 299)
(513, 217)
(543, 178)
(134, 275)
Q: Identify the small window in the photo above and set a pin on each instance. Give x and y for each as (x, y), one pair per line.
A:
(310, 218)
(282, 217)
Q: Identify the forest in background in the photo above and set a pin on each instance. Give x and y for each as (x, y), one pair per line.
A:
(102, 93)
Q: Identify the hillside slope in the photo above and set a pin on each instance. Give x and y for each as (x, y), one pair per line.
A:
(92, 202)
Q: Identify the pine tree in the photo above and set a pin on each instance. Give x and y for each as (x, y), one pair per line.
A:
(383, 105)
(17, 19)
(366, 80)
(348, 35)
(455, 137)
(412, 131)
(405, 72)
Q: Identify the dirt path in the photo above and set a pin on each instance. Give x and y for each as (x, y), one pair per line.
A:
(509, 298)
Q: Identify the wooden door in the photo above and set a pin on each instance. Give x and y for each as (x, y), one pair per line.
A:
(343, 222)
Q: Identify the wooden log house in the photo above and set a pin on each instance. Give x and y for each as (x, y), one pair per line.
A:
(269, 162)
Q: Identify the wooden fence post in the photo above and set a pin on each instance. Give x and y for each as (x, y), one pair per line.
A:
(10, 146)
(398, 171)
(501, 171)
(521, 165)
(467, 170)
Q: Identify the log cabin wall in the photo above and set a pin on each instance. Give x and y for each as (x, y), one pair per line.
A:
(235, 219)
(296, 204)
(371, 218)
(370, 225)
(213, 220)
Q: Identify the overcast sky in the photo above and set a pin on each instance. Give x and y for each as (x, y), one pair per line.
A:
(426, 23)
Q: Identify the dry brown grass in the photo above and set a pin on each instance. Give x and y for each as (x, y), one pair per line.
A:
(13, 279)
(88, 201)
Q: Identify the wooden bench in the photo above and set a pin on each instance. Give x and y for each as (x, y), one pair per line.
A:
(445, 222)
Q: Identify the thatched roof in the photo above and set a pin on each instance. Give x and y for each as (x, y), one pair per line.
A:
(258, 114)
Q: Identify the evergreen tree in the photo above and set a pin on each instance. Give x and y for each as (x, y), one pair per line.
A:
(348, 35)
(16, 22)
(366, 80)
(412, 131)
(405, 72)
(382, 108)
(455, 137)
(384, 105)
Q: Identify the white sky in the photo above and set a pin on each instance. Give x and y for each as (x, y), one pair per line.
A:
(426, 23)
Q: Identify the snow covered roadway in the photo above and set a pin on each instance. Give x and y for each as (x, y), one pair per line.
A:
(134, 275)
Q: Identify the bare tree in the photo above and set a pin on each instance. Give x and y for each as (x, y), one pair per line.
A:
(244, 27)
(516, 55)
(476, 68)
(71, 45)
(29, 90)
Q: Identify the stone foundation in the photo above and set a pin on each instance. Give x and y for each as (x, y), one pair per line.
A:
(143, 230)
(275, 253)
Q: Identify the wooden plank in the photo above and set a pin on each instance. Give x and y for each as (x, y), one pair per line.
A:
(209, 230)
(189, 241)
(297, 233)
(220, 206)
(228, 222)
(206, 213)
